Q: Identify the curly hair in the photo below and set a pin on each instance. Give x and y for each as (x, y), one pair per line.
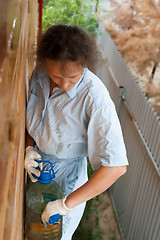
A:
(63, 42)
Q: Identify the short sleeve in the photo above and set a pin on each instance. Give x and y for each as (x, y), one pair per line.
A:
(33, 83)
(35, 104)
(105, 140)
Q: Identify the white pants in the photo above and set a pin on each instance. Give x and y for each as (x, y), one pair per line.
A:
(70, 175)
(71, 221)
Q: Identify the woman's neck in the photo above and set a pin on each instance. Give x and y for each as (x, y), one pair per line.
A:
(52, 86)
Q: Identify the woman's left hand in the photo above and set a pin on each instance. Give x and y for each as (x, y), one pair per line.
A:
(53, 208)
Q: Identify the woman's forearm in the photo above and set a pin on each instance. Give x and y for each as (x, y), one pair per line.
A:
(101, 180)
(29, 140)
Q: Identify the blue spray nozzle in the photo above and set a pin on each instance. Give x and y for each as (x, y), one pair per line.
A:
(46, 176)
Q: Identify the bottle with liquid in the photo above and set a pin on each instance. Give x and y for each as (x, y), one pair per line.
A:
(38, 195)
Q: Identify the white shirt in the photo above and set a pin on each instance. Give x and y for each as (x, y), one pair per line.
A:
(77, 123)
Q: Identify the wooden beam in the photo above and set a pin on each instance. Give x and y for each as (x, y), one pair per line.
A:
(20, 34)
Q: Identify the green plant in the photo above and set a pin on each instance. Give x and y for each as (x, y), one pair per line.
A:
(86, 234)
(119, 213)
(114, 238)
(71, 12)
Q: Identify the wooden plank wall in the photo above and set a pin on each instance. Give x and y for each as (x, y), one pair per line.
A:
(18, 33)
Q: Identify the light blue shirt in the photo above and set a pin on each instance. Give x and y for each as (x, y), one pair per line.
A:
(76, 123)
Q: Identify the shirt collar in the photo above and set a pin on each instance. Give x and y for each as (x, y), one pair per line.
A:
(73, 91)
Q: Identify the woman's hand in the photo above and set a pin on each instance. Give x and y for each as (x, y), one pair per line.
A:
(30, 162)
(54, 207)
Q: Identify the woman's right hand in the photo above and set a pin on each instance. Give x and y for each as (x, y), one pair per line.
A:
(30, 162)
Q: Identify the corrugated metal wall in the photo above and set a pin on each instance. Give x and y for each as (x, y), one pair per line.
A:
(136, 195)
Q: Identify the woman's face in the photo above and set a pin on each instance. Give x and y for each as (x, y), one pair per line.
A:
(65, 75)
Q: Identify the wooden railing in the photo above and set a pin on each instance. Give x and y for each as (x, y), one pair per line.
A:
(18, 30)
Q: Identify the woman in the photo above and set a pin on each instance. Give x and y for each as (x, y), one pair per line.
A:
(70, 116)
